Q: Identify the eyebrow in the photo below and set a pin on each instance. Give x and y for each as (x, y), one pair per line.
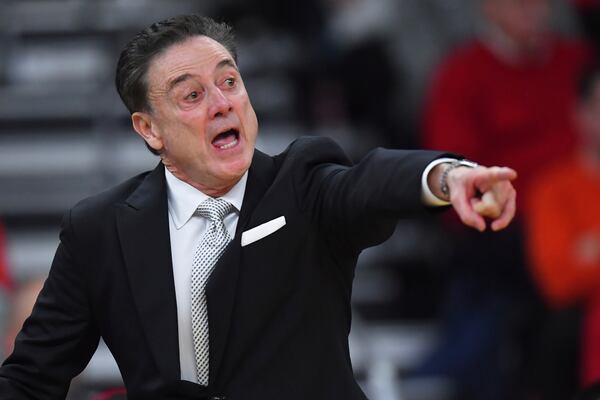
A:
(227, 62)
(174, 82)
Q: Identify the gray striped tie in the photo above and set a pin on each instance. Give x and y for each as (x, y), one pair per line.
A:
(207, 253)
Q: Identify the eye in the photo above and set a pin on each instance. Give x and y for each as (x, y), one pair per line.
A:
(192, 96)
(230, 82)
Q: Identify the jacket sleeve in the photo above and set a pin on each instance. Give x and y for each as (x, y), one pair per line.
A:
(59, 338)
(359, 205)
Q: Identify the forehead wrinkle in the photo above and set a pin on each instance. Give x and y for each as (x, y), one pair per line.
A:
(162, 65)
(227, 62)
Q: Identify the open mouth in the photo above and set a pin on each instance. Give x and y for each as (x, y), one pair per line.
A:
(226, 140)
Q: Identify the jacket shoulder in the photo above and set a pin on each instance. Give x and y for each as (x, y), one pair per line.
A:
(97, 206)
(311, 151)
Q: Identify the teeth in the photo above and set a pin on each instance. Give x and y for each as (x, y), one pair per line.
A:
(228, 145)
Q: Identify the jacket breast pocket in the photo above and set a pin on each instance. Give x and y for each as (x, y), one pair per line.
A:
(271, 264)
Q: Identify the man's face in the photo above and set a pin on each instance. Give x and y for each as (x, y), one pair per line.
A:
(524, 21)
(201, 121)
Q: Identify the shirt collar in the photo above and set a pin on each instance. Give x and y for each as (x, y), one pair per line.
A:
(183, 198)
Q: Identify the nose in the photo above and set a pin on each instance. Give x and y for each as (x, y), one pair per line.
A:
(219, 104)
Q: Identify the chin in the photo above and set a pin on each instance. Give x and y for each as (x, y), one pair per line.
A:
(234, 171)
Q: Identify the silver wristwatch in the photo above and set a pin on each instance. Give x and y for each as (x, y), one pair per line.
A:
(454, 164)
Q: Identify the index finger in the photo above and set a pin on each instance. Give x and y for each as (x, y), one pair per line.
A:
(495, 174)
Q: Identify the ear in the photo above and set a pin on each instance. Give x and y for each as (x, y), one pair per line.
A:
(143, 125)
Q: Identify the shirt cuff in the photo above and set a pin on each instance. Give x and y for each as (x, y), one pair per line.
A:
(428, 198)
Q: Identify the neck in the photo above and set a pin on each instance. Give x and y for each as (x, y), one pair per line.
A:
(212, 190)
(511, 50)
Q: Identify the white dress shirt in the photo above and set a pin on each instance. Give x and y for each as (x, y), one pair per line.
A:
(186, 229)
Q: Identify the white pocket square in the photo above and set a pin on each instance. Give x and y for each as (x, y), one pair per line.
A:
(262, 230)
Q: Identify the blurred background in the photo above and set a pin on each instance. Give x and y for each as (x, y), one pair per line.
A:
(440, 312)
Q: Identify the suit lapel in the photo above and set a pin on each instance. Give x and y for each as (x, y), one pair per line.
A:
(221, 287)
(260, 176)
(143, 228)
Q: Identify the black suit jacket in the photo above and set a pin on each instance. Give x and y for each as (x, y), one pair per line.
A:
(279, 308)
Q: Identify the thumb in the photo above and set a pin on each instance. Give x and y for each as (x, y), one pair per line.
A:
(487, 206)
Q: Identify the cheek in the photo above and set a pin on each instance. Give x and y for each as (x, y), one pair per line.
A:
(191, 128)
(250, 119)
(183, 138)
(188, 120)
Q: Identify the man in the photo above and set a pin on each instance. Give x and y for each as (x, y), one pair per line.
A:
(565, 252)
(506, 96)
(503, 98)
(273, 319)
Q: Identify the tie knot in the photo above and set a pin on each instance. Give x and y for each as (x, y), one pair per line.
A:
(214, 209)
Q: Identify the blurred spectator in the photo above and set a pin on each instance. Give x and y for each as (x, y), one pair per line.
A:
(503, 99)
(564, 228)
(22, 301)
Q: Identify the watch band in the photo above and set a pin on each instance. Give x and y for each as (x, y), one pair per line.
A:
(454, 164)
